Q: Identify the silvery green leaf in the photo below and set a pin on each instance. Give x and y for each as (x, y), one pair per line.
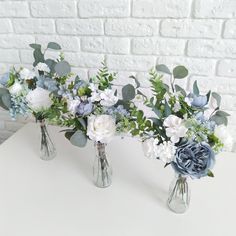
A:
(163, 68)
(217, 97)
(6, 100)
(167, 109)
(78, 139)
(195, 88)
(128, 92)
(179, 89)
(38, 56)
(82, 122)
(208, 95)
(35, 46)
(62, 68)
(222, 113)
(53, 45)
(157, 112)
(136, 81)
(51, 64)
(180, 72)
(220, 120)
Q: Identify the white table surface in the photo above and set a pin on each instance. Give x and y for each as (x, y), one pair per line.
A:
(58, 198)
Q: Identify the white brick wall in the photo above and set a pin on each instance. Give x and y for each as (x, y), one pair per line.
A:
(133, 35)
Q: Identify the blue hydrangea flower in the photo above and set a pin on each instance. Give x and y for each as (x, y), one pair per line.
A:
(84, 108)
(4, 79)
(47, 83)
(199, 101)
(194, 159)
(205, 122)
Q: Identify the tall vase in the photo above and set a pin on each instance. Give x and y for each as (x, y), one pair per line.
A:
(179, 194)
(47, 149)
(102, 171)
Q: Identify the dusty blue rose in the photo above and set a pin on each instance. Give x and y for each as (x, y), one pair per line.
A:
(198, 101)
(194, 159)
(4, 79)
(84, 108)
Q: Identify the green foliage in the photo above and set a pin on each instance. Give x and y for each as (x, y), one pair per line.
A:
(180, 72)
(195, 88)
(54, 46)
(163, 68)
(5, 98)
(78, 139)
(128, 92)
(62, 68)
(220, 117)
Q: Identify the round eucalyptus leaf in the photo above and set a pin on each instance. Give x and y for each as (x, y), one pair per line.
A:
(163, 68)
(62, 68)
(180, 72)
(128, 92)
(53, 45)
(78, 139)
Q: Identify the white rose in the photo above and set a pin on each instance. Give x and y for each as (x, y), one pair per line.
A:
(223, 134)
(149, 148)
(108, 98)
(101, 128)
(26, 74)
(175, 128)
(166, 151)
(72, 105)
(39, 99)
(16, 89)
(42, 67)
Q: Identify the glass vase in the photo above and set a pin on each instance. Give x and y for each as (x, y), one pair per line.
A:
(102, 171)
(179, 194)
(47, 149)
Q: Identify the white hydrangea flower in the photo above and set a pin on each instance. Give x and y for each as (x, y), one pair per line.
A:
(177, 107)
(225, 137)
(101, 128)
(175, 128)
(72, 105)
(166, 151)
(26, 74)
(150, 148)
(108, 98)
(16, 89)
(42, 67)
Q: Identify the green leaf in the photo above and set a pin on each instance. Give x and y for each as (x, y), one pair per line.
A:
(38, 56)
(157, 112)
(217, 97)
(35, 46)
(82, 122)
(53, 45)
(195, 88)
(51, 64)
(208, 95)
(180, 72)
(210, 174)
(167, 109)
(163, 68)
(136, 81)
(128, 92)
(179, 89)
(220, 120)
(78, 139)
(5, 99)
(222, 113)
(62, 68)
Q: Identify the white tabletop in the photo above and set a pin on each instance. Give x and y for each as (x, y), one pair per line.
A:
(58, 198)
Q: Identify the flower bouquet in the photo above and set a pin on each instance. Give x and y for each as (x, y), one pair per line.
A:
(92, 110)
(185, 132)
(24, 92)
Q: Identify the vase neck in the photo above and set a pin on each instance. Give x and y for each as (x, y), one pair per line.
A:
(100, 149)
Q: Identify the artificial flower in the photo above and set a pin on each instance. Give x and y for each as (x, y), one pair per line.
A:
(42, 67)
(26, 74)
(16, 89)
(150, 148)
(223, 134)
(166, 151)
(108, 98)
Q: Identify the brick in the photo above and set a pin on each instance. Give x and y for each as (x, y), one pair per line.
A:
(230, 29)
(81, 72)
(16, 41)
(14, 9)
(212, 48)
(9, 55)
(195, 66)
(161, 8)
(87, 60)
(136, 63)
(80, 26)
(54, 8)
(105, 45)
(191, 28)
(158, 46)
(68, 43)
(5, 26)
(34, 26)
(215, 8)
(26, 56)
(105, 8)
(228, 102)
(222, 85)
(131, 27)
(227, 68)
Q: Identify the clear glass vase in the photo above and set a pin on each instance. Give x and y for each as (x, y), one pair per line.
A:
(47, 149)
(102, 171)
(179, 194)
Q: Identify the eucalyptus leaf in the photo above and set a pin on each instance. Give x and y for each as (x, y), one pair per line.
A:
(136, 81)
(222, 113)
(217, 97)
(38, 56)
(220, 120)
(78, 139)
(208, 95)
(180, 72)
(62, 68)
(157, 112)
(6, 100)
(167, 109)
(163, 68)
(179, 89)
(128, 92)
(195, 88)
(51, 64)
(35, 46)
(53, 45)
(82, 122)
